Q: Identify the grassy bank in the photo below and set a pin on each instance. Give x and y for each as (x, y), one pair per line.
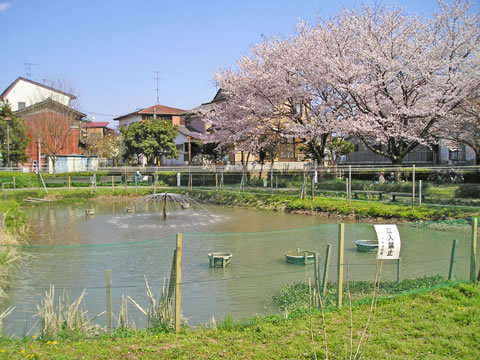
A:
(14, 232)
(359, 210)
(442, 324)
(331, 207)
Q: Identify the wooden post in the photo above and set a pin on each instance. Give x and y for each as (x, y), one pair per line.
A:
(473, 257)
(216, 181)
(113, 184)
(420, 192)
(69, 182)
(3, 190)
(399, 260)
(109, 298)
(341, 241)
(136, 183)
(155, 182)
(325, 269)
(452, 260)
(413, 187)
(3, 221)
(14, 182)
(178, 281)
(125, 174)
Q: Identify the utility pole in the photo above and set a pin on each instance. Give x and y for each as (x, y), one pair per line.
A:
(39, 155)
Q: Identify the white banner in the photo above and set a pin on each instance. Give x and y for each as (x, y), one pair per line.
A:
(388, 242)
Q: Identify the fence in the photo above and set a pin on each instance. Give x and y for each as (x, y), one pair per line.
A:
(259, 279)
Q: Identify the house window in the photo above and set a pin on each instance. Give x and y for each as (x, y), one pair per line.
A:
(21, 105)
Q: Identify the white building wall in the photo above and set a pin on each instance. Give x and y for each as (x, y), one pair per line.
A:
(31, 94)
(126, 121)
(469, 154)
(181, 139)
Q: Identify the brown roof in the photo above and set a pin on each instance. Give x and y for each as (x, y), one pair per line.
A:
(159, 110)
(162, 110)
(50, 104)
(7, 90)
(97, 124)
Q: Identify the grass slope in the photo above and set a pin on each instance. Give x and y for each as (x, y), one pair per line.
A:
(442, 324)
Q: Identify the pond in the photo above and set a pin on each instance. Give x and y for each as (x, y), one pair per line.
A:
(72, 252)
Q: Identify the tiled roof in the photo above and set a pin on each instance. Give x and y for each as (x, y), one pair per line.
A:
(159, 110)
(162, 110)
(98, 124)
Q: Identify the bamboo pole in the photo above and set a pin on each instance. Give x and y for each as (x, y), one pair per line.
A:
(69, 182)
(173, 277)
(313, 188)
(452, 260)
(473, 257)
(413, 187)
(316, 273)
(113, 184)
(349, 183)
(13, 182)
(346, 184)
(341, 244)
(325, 269)
(420, 192)
(178, 281)
(108, 276)
(399, 261)
(216, 181)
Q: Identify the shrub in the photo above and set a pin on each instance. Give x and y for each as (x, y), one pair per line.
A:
(468, 191)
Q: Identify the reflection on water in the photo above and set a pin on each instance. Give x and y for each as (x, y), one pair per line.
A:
(73, 251)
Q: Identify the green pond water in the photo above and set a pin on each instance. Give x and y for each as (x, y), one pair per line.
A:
(72, 252)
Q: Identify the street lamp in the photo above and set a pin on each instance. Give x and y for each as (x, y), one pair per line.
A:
(7, 119)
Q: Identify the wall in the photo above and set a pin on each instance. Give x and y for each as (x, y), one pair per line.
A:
(126, 121)
(31, 94)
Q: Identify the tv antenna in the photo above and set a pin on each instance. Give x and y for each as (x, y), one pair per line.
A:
(28, 68)
(157, 78)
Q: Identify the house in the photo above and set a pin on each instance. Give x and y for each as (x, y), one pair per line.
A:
(156, 111)
(170, 114)
(53, 125)
(288, 149)
(23, 93)
(54, 131)
(95, 130)
(440, 154)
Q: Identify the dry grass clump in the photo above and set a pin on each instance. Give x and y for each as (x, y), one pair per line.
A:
(65, 317)
(159, 313)
(9, 259)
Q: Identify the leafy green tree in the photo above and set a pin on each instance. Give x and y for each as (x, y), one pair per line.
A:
(151, 138)
(17, 142)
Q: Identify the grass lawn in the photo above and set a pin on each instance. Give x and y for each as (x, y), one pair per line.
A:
(442, 324)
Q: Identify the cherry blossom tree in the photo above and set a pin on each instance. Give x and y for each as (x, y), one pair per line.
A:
(388, 78)
(402, 77)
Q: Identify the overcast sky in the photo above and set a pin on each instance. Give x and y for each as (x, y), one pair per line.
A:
(110, 51)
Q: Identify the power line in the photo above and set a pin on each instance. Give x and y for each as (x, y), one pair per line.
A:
(157, 78)
(28, 68)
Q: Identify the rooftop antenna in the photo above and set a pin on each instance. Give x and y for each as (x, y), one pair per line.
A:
(28, 68)
(157, 78)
